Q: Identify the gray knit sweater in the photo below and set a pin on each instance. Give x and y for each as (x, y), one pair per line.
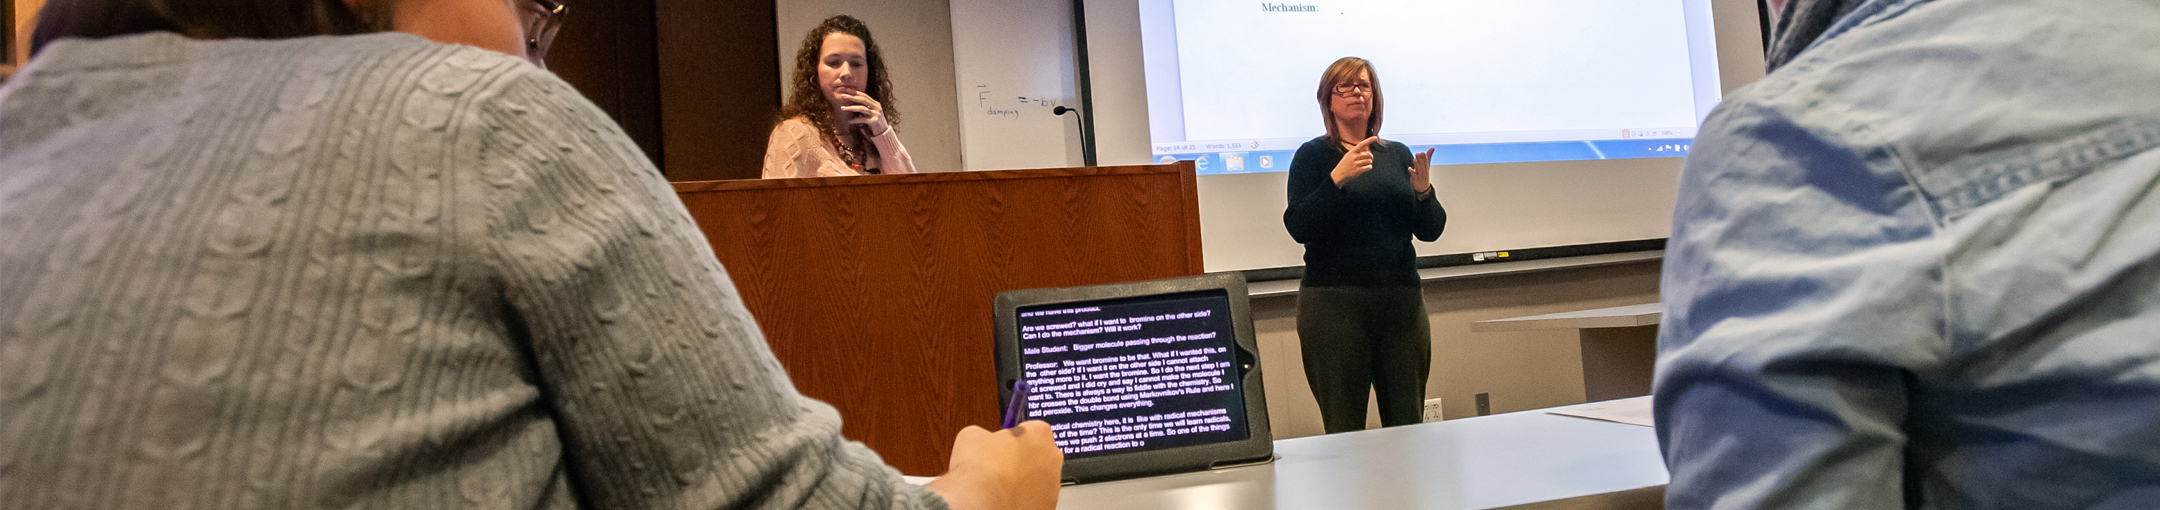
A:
(374, 272)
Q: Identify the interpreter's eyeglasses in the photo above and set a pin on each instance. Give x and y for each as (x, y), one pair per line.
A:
(1346, 88)
(542, 18)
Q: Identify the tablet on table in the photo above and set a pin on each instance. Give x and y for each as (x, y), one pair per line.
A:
(1138, 379)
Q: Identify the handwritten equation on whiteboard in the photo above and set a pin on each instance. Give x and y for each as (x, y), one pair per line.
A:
(991, 103)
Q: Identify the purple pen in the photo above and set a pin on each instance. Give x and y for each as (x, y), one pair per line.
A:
(1012, 407)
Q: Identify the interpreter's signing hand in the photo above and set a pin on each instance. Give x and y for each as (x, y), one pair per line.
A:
(1355, 163)
(864, 111)
(1016, 468)
(1421, 172)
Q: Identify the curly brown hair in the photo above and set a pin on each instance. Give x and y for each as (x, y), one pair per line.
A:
(808, 101)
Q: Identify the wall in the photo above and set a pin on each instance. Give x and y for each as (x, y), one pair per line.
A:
(716, 87)
(1520, 369)
(708, 64)
(606, 50)
(916, 38)
(1014, 61)
(21, 12)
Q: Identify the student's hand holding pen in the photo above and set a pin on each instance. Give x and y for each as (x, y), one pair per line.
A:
(1016, 468)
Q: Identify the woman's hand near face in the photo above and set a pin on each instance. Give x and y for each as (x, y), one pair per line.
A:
(1421, 172)
(863, 110)
(1356, 162)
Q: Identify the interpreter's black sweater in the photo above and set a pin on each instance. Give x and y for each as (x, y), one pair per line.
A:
(1358, 234)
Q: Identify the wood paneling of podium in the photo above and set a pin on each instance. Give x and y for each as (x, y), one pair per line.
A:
(875, 291)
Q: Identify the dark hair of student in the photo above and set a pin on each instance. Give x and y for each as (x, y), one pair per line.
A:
(205, 19)
(1346, 69)
(808, 101)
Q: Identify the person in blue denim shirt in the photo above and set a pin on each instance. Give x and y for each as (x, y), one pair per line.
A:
(1918, 265)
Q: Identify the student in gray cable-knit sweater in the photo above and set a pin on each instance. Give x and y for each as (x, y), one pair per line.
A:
(383, 271)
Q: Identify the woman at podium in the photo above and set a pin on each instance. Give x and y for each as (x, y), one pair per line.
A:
(839, 115)
(1355, 202)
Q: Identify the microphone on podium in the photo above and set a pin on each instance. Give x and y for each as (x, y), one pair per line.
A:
(1061, 111)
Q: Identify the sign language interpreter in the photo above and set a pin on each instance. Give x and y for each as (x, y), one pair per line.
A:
(1361, 315)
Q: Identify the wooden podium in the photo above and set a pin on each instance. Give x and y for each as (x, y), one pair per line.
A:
(875, 291)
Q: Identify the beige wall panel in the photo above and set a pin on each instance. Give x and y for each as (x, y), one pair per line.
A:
(1520, 369)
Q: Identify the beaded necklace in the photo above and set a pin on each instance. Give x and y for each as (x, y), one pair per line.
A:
(850, 155)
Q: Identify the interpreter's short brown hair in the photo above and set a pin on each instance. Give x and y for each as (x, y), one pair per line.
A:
(1346, 69)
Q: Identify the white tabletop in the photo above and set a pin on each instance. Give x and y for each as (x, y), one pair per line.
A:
(1289, 287)
(1465, 464)
(1646, 314)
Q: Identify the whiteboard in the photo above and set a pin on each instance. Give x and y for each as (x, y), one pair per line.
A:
(1013, 66)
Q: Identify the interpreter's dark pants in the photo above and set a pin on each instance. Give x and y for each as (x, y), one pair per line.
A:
(1359, 337)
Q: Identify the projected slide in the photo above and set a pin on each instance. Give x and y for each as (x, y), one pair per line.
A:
(1231, 83)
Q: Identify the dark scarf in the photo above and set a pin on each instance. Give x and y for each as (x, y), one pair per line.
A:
(1802, 22)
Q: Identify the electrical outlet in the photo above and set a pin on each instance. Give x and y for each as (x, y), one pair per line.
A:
(1484, 404)
(1432, 410)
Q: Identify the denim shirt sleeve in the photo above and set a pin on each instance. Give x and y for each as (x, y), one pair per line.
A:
(1918, 268)
(1795, 298)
